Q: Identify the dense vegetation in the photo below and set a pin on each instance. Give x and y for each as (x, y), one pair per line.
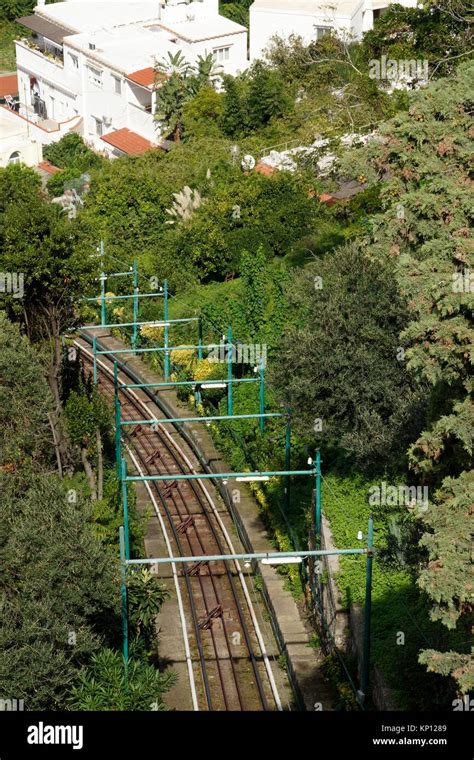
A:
(365, 308)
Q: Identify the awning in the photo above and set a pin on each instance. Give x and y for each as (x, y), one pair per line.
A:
(128, 142)
(53, 32)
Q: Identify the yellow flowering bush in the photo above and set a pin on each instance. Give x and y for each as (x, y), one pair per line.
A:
(152, 332)
(182, 356)
(206, 370)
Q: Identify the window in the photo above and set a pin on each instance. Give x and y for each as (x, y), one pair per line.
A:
(99, 127)
(221, 54)
(95, 76)
(15, 158)
(117, 85)
(74, 61)
(322, 31)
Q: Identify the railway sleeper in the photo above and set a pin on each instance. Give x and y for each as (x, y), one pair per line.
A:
(154, 455)
(216, 612)
(195, 569)
(187, 523)
(167, 490)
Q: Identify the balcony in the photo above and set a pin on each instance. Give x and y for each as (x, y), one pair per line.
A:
(41, 62)
(140, 120)
(52, 52)
(43, 130)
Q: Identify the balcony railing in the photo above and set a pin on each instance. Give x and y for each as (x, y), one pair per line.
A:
(53, 54)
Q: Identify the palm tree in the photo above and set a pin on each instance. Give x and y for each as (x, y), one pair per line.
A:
(176, 82)
(171, 75)
(174, 63)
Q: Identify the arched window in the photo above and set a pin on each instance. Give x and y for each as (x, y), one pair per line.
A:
(15, 158)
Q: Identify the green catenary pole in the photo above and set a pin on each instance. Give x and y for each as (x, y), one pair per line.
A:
(262, 396)
(123, 593)
(118, 442)
(135, 304)
(287, 465)
(94, 351)
(103, 310)
(318, 499)
(367, 611)
(118, 422)
(123, 472)
(166, 330)
(230, 349)
(200, 341)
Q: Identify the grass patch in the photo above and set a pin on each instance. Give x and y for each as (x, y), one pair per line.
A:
(401, 625)
(9, 31)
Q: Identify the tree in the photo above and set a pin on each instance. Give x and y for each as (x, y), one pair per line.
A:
(268, 96)
(234, 118)
(236, 10)
(146, 597)
(437, 30)
(254, 281)
(423, 165)
(74, 157)
(40, 243)
(202, 114)
(88, 420)
(25, 402)
(171, 98)
(338, 369)
(71, 152)
(241, 213)
(59, 589)
(204, 71)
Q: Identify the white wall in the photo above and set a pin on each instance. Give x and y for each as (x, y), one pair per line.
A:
(15, 138)
(237, 44)
(53, 81)
(265, 24)
(268, 22)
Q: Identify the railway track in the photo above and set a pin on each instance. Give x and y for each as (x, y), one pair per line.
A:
(230, 669)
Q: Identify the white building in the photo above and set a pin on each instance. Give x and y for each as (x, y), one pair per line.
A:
(16, 142)
(89, 66)
(312, 19)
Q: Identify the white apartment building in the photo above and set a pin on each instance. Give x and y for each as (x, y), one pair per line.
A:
(90, 65)
(312, 19)
(16, 144)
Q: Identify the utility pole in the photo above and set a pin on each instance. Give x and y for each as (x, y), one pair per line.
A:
(365, 674)
(229, 372)
(166, 330)
(318, 499)
(135, 303)
(262, 395)
(123, 594)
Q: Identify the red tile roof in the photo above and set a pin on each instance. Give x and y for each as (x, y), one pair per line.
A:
(127, 141)
(8, 84)
(146, 77)
(47, 167)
